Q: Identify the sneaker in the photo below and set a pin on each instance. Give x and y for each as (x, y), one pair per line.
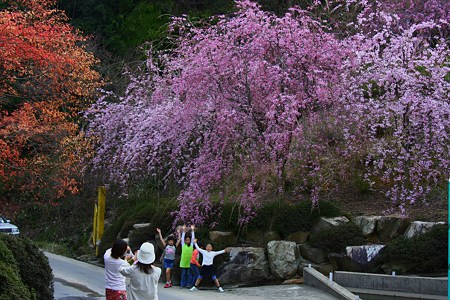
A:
(170, 284)
(167, 285)
(193, 289)
(221, 289)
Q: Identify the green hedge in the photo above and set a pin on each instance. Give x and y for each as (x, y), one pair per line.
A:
(24, 270)
(337, 238)
(11, 286)
(426, 252)
(157, 213)
(283, 217)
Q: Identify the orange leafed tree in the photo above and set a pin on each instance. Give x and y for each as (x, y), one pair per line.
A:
(46, 79)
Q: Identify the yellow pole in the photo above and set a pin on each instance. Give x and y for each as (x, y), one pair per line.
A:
(94, 226)
(100, 215)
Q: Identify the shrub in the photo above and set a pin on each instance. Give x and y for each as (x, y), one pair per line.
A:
(157, 213)
(11, 285)
(427, 252)
(335, 239)
(229, 217)
(301, 216)
(289, 218)
(141, 235)
(33, 266)
(265, 217)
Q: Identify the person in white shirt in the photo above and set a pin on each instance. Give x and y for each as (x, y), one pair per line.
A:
(115, 288)
(143, 276)
(207, 265)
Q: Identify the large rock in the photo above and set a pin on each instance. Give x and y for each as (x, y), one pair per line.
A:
(224, 238)
(298, 237)
(419, 227)
(342, 262)
(367, 224)
(141, 225)
(260, 238)
(364, 254)
(327, 223)
(390, 227)
(315, 255)
(282, 258)
(357, 259)
(247, 266)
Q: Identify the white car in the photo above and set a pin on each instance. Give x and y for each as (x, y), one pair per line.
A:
(7, 227)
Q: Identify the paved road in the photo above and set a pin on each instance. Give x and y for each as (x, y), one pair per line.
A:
(75, 280)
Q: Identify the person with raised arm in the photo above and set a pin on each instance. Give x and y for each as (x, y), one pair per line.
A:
(187, 248)
(207, 270)
(170, 247)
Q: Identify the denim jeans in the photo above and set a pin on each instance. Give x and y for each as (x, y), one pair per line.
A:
(184, 277)
(193, 274)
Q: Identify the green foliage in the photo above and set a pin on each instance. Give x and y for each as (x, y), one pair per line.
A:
(301, 216)
(202, 235)
(33, 266)
(280, 7)
(283, 217)
(147, 22)
(149, 209)
(125, 24)
(11, 287)
(69, 224)
(428, 252)
(447, 77)
(372, 89)
(360, 185)
(335, 239)
(229, 217)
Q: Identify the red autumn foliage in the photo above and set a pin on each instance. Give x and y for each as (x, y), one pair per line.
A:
(47, 78)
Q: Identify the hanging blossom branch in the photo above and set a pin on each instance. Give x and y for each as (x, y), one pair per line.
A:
(230, 93)
(399, 101)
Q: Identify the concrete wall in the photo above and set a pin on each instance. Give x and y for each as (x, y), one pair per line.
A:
(421, 285)
(315, 279)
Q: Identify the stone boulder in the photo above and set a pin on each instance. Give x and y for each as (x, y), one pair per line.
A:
(419, 227)
(342, 262)
(367, 224)
(224, 238)
(298, 237)
(137, 227)
(364, 254)
(282, 259)
(247, 266)
(390, 227)
(141, 225)
(327, 223)
(260, 238)
(315, 255)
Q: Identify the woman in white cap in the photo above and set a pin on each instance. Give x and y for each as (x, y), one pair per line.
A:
(143, 276)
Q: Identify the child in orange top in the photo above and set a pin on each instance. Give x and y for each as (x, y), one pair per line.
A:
(195, 265)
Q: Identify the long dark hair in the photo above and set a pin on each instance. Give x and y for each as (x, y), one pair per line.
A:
(118, 249)
(146, 268)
